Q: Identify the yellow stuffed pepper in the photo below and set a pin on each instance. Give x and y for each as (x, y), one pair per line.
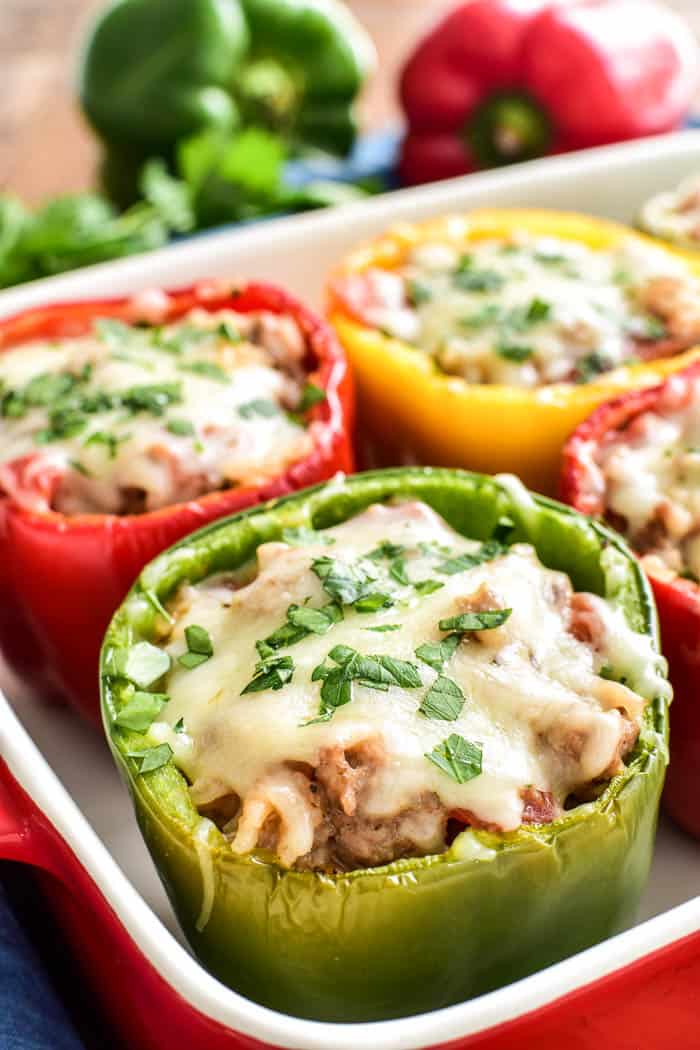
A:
(482, 340)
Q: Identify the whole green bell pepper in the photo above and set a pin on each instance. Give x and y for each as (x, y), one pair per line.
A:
(153, 72)
(418, 933)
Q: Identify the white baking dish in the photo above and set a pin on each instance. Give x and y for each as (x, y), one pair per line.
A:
(69, 777)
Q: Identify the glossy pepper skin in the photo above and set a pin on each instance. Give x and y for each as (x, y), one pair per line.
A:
(499, 81)
(153, 72)
(62, 577)
(677, 599)
(412, 409)
(419, 933)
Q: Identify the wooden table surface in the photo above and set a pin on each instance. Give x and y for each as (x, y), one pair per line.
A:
(46, 148)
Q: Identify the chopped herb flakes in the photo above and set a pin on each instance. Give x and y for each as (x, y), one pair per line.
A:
(374, 672)
(153, 758)
(476, 621)
(110, 441)
(346, 584)
(311, 395)
(199, 647)
(141, 710)
(382, 627)
(468, 280)
(259, 406)
(517, 353)
(273, 672)
(208, 369)
(460, 759)
(462, 562)
(444, 700)
(423, 587)
(153, 398)
(180, 427)
(301, 621)
(591, 365)
(437, 654)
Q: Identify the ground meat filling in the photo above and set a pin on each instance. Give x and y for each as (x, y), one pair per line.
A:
(410, 682)
(131, 418)
(530, 311)
(649, 478)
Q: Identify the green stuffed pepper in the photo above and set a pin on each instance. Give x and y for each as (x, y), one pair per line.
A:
(393, 741)
(154, 72)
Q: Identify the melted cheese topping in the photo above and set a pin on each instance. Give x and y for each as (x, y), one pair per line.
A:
(651, 478)
(527, 311)
(133, 419)
(675, 214)
(534, 701)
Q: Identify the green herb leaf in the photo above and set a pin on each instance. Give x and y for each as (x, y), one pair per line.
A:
(382, 627)
(229, 332)
(386, 550)
(153, 398)
(190, 660)
(437, 654)
(143, 664)
(198, 640)
(372, 602)
(591, 365)
(311, 395)
(463, 562)
(423, 587)
(460, 759)
(141, 710)
(154, 758)
(476, 621)
(470, 280)
(397, 571)
(271, 673)
(490, 314)
(538, 310)
(258, 407)
(513, 352)
(344, 583)
(180, 427)
(171, 197)
(417, 292)
(208, 369)
(110, 441)
(114, 333)
(444, 700)
(179, 726)
(315, 621)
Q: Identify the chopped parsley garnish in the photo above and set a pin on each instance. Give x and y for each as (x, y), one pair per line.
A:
(386, 550)
(374, 672)
(468, 280)
(346, 584)
(143, 664)
(199, 647)
(110, 441)
(382, 627)
(437, 654)
(488, 315)
(259, 406)
(63, 423)
(208, 369)
(444, 700)
(372, 602)
(417, 292)
(514, 352)
(300, 535)
(76, 465)
(180, 427)
(460, 759)
(273, 672)
(113, 332)
(591, 365)
(311, 395)
(141, 710)
(423, 587)
(49, 387)
(179, 726)
(229, 332)
(476, 621)
(537, 311)
(301, 621)
(462, 562)
(153, 398)
(153, 758)
(397, 571)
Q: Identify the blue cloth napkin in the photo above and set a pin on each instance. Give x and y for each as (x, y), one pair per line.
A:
(32, 1016)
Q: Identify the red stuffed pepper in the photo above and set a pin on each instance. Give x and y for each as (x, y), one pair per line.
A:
(126, 424)
(499, 81)
(636, 461)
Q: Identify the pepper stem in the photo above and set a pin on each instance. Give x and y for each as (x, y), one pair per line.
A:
(508, 128)
(268, 95)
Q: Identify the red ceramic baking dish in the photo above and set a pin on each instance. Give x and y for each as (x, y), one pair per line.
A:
(63, 810)
(677, 598)
(63, 576)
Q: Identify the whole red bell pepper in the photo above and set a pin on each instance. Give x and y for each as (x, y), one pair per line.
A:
(61, 578)
(677, 599)
(499, 81)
